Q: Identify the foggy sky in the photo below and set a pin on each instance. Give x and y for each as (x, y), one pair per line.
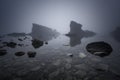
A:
(100, 16)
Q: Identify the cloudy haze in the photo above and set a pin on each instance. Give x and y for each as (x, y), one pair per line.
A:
(100, 16)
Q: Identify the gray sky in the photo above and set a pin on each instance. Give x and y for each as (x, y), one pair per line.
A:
(100, 16)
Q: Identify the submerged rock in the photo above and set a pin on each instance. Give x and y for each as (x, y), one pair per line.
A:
(10, 44)
(3, 52)
(19, 53)
(37, 43)
(31, 54)
(101, 48)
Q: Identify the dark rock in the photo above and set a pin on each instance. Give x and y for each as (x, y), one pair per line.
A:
(101, 48)
(76, 33)
(20, 45)
(116, 34)
(37, 43)
(19, 53)
(20, 39)
(43, 33)
(3, 52)
(46, 42)
(70, 55)
(11, 44)
(25, 38)
(31, 54)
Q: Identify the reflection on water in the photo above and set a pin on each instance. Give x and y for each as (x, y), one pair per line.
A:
(55, 61)
(76, 33)
(116, 34)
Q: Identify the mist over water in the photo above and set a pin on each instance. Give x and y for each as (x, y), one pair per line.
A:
(98, 16)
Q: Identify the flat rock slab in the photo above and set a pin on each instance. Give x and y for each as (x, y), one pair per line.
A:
(101, 48)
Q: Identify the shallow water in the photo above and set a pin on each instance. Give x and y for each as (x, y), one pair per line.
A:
(53, 60)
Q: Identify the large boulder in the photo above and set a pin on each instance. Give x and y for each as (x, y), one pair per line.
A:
(43, 33)
(101, 48)
(77, 33)
(37, 43)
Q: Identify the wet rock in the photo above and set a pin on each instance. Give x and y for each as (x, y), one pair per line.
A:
(101, 48)
(31, 54)
(20, 45)
(20, 39)
(82, 55)
(3, 52)
(37, 43)
(70, 54)
(19, 53)
(46, 42)
(25, 38)
(10, 44)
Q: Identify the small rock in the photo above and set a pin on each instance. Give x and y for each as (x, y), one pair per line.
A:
(31, 54)
(70, 54)
(3, 52)
(20, 39)
(11, 44)
(37, 43)
(19, 53)
(20, 45)
(46, 42)
(82, 55)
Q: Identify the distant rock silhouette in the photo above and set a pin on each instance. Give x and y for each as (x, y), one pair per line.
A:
(17, 34)
(101, 48)
(76, 33)
(43, 33)
(116, 34)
